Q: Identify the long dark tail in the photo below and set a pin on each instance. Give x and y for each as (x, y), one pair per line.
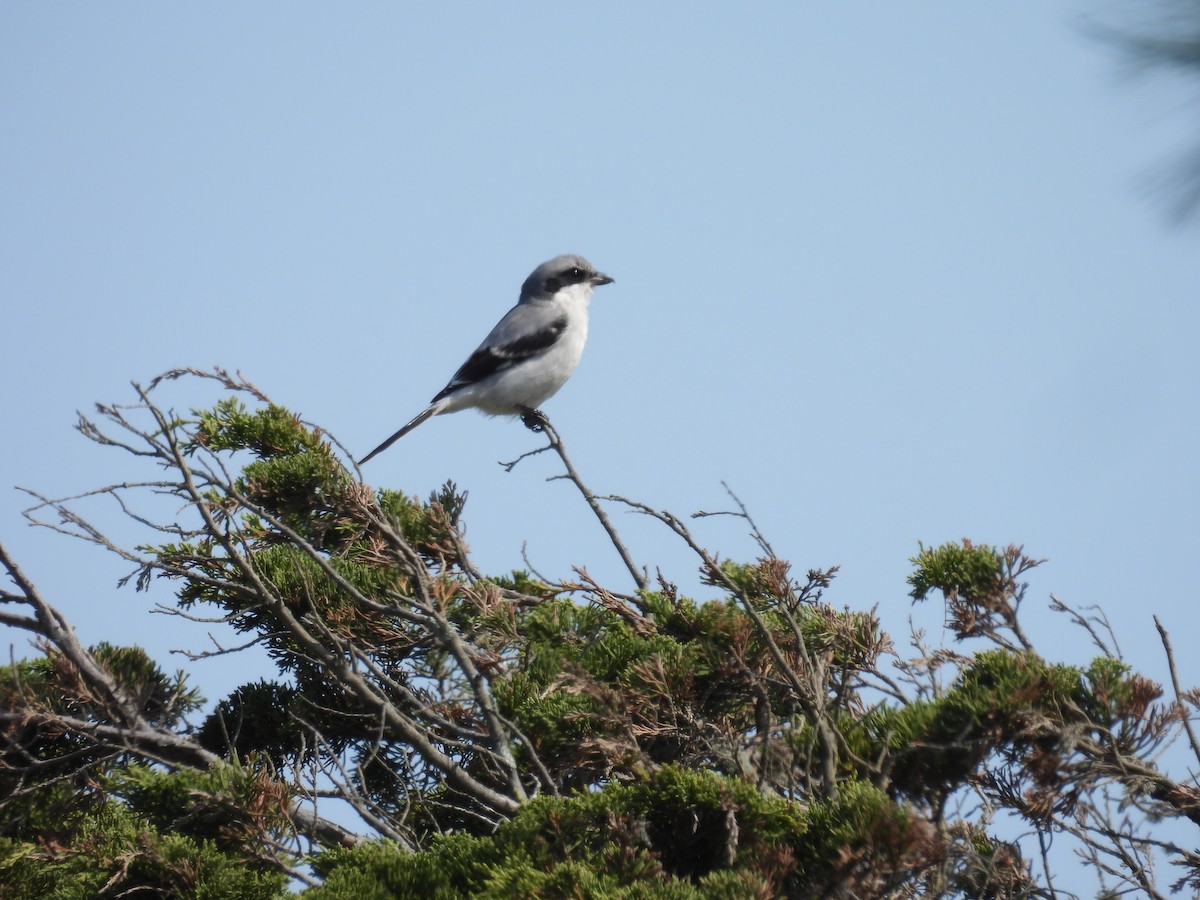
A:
(417, 420)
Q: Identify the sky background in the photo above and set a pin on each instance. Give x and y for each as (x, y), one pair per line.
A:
(890, 272)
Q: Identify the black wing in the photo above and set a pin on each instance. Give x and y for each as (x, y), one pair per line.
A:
(490, 359)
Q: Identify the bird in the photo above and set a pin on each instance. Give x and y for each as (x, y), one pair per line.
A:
(530, 353)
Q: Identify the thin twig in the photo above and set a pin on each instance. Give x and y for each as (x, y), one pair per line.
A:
(537, 421)
(1187, 719)
(742, 513)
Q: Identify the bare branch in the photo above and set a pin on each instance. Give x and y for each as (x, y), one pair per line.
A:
(542, 424)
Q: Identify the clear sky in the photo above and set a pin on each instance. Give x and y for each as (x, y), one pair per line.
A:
(887, 270)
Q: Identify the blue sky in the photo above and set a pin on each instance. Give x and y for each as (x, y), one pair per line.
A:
(889, 271)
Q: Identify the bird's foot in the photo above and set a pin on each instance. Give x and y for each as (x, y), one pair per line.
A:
(534, 419)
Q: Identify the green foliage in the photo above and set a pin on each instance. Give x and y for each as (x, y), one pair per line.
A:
(70, 852)
(255, 718)
(751, 745)
(48, 682)
(48, 687)
(678, 834)
(584, 673)
(269, 431)
(428, 526)
(162, 699)
(972, 571)
(1002, 702)
(234, 807)
(295, 477)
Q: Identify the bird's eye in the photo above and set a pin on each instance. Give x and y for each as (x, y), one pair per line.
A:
(577, 273)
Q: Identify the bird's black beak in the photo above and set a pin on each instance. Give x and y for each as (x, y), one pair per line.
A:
(600, 278)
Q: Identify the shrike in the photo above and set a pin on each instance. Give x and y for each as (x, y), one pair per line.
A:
(530, 353)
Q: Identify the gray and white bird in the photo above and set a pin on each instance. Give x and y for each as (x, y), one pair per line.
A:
(530, 353)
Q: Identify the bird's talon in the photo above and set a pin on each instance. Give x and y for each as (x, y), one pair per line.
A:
(533, 419)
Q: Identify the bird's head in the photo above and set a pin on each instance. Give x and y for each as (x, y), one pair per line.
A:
(562, 273)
